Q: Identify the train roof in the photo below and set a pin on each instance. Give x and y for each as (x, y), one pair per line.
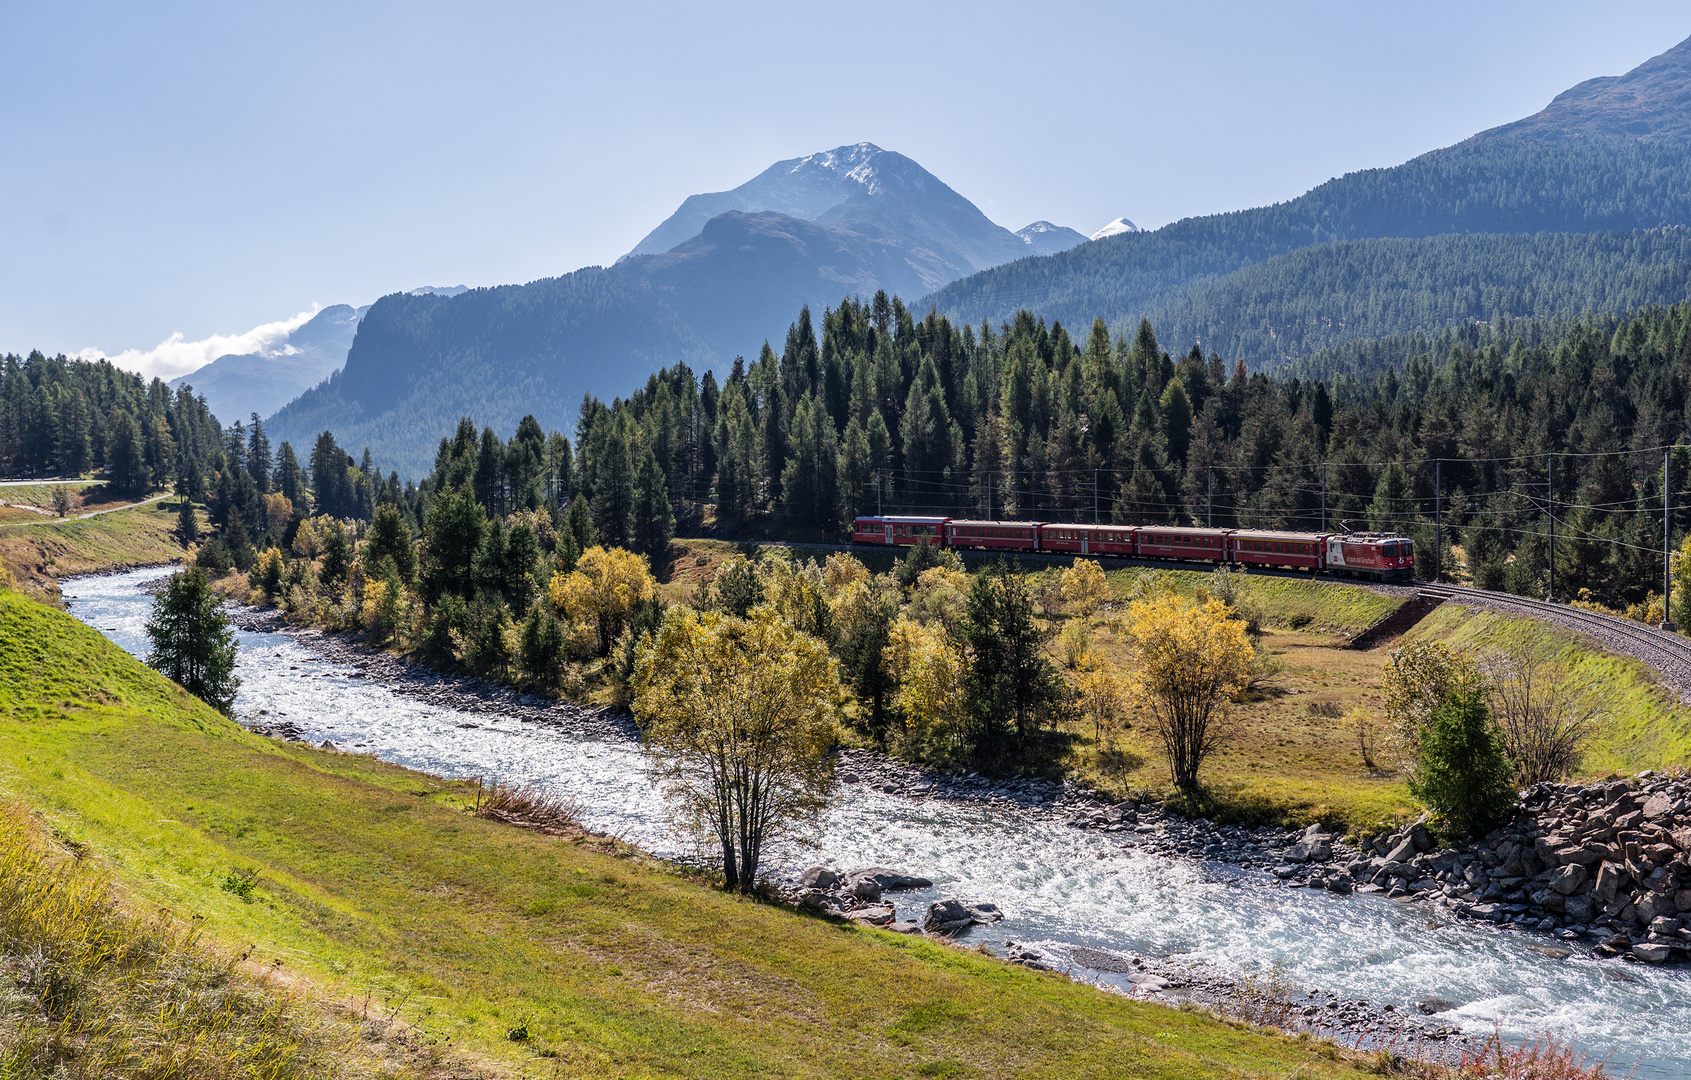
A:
(1277, 534)
(1000, 523)
(900, 520)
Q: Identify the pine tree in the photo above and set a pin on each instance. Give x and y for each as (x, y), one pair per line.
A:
(258, 455)
(613, 490)
(125, 455)
(654, 523)
(192, 641)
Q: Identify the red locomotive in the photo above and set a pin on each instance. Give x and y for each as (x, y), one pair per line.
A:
(1377, 556)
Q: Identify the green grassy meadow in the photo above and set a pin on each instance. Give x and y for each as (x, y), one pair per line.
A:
(374, 884)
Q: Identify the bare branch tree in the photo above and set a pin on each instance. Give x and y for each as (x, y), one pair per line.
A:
(1547, 717)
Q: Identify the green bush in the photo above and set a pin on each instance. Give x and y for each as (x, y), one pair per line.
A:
(1463, 773)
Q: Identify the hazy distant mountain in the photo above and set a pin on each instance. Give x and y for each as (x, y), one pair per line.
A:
(1044, 238)
(237, 385)
(1115, 228)
(1605, 157)
(1652, 101)
(421, 360)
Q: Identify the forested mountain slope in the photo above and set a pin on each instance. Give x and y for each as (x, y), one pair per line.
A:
(1506, 185)
(1325, 295)
(1560, 171)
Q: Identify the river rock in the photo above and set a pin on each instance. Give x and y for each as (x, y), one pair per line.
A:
(885, 880)
(874, 915)
(1433, 1005)
(819, 877)
(954, 916)
(1569, 879)
(1651, 954)
(1026, 956)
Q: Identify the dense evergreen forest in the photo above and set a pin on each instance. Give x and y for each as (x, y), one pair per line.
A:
(1320, 297)
(1489, 184)
(65, 417)
(873, 408)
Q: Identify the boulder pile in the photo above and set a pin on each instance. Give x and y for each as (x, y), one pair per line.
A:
(1605, 862)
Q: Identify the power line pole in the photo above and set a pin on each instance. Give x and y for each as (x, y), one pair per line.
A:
(989, 496)
(1323, 496)
(1209, 495)
(1094, 496)
(1438, 521)
(878, 512)
(1550, 512)
(1667, 540)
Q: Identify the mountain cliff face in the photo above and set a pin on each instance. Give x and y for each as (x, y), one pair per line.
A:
(239, 384)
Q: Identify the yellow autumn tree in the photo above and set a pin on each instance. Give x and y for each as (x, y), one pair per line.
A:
(1192, 660)
(737, 718)
(1102, 698)
(1084, 587)
(603, 590)
(931, 672)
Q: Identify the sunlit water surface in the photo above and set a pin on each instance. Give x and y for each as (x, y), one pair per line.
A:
(1058, 886)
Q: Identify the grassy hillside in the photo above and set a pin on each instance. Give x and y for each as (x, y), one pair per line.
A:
(373, 883)
(1647, 728)
(38, 555)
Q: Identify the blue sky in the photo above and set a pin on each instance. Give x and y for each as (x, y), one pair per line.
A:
(205, 169)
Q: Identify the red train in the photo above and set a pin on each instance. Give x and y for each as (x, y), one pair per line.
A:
(1378, 556)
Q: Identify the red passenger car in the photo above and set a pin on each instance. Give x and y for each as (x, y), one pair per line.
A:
(898, 530)
(1002, 535)
(1299, 551)
(1167, 542)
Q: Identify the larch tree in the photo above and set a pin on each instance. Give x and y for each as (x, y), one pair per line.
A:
(1193, 659)
(737, 717)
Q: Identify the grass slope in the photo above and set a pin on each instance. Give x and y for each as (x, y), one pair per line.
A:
(1647, 727)
(372, 880)
(39, 554)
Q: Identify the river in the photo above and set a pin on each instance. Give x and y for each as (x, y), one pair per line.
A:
(1059, 886)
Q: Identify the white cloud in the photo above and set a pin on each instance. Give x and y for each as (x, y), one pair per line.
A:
(174, 356)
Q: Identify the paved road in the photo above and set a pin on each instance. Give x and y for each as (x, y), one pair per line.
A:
(90, 514)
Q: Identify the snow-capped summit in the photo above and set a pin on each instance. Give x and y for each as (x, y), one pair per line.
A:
(1045, 238)
(872, 191)
(1114, 228)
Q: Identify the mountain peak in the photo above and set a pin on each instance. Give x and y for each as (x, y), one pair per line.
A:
(1115, 228)
(1044, 238)
(804, 188)
(1653, 100)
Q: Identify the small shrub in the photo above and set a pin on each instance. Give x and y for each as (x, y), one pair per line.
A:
(241, 883)
(1463, 773)
(1076, 643)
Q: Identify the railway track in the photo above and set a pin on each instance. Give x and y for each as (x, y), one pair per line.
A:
(1663, 650)
(1667, 652)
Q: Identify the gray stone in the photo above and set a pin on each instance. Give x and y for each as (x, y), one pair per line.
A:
(1403, 852)
(904, 927)
(819, 877)
(1651, 954)
(1435, 1005)
(1569, 879)
(1608, 882)
(874, 915)
(887, 880)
